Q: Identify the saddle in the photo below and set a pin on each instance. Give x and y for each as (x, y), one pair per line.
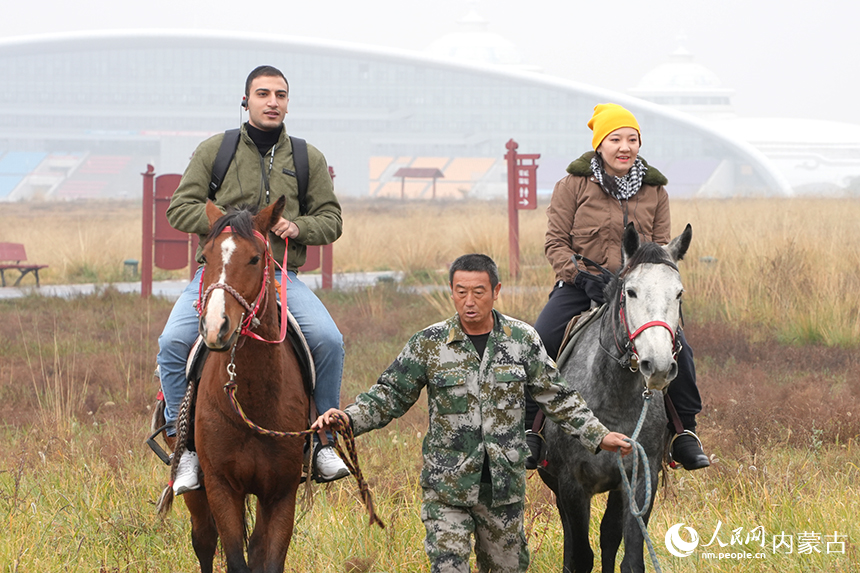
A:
(194, 367)
(574, 330)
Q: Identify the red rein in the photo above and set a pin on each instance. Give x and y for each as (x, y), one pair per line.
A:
(202, 298)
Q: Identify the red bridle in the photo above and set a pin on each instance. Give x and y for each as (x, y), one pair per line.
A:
(634, 358)
(250, 321)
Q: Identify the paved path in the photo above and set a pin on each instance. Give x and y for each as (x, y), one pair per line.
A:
(171, 289)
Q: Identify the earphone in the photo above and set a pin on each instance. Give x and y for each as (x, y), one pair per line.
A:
(244, 106)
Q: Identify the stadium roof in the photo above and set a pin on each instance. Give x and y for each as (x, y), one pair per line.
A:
(101, 41)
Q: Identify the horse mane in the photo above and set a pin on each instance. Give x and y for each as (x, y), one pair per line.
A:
(649, 253)
(240, 220)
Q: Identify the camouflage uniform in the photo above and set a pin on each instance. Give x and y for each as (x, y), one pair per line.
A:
(476, 410)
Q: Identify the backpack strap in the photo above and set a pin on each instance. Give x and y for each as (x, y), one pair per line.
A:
(303, 170)
(228, 150)
(222, 160)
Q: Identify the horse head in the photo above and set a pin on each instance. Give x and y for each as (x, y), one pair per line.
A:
(237, 273)
(649, 304)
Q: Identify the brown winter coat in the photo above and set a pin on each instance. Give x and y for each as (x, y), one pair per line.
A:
(584, 219)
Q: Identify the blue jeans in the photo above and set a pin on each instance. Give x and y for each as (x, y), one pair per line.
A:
(322, 334)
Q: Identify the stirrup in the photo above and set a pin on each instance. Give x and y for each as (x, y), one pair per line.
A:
(156, 448)
(538, 433)
(672, 463)
(540, 458)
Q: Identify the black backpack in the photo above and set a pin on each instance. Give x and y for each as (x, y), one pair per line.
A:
(228, 149)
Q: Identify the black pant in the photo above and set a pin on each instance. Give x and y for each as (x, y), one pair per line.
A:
(567, 301)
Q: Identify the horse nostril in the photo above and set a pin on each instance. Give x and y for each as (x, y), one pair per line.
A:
(225, 328)
(645, 367)
(673, 371)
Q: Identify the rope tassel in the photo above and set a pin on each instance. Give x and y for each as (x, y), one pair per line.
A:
(345, 429)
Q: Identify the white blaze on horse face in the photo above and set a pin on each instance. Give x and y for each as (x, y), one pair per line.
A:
(652, 294)
(217, 306)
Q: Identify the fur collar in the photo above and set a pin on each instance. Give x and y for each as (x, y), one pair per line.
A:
(582, 168)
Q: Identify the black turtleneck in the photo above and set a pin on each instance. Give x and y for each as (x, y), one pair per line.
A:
(264, 140)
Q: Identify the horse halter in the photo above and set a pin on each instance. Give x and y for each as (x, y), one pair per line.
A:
(630, 357)
(249, 319)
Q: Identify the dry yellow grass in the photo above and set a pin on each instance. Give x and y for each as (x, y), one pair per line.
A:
(423, 235)
(85, 241)
(790, 267)
(77, 485)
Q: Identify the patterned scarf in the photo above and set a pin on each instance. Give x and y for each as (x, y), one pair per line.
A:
(622, 188)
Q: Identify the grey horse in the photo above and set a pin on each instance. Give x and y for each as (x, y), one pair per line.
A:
(637, 325)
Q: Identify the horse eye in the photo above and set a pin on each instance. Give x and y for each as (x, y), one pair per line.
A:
(254, 260)
(631, 293)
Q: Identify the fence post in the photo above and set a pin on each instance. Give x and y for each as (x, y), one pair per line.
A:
(147, 238)
(513, 216)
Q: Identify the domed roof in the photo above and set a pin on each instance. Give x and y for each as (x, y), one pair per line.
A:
(473, 43)
(793, 131)
(680, 74)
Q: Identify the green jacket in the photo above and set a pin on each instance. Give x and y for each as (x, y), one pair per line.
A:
(476, 407)
(244, 184)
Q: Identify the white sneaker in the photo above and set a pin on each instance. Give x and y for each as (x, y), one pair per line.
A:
(328, 466)
(187, 474)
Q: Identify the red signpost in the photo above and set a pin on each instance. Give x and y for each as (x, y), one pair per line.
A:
(166, 248)
(522, 194)
(162, 246)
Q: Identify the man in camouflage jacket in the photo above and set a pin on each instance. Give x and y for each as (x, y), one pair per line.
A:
(476, 366)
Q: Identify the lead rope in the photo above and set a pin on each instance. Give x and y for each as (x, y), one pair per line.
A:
(343, 427)
(630, 485)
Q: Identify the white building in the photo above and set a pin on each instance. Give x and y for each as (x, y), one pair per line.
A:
(814, 157)
(81, 114)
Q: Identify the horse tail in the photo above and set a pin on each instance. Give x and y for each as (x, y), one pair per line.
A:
(165, 501)
(183, 425)
(246, 529)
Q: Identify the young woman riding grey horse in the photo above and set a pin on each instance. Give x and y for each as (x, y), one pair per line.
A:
(604, 190)
(623, 359)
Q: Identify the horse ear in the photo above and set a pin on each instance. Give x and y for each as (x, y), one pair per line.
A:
(630, 241)
(213, 213)
(677, 248)
(266, 219)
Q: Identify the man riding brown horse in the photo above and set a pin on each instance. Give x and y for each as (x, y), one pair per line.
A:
(264, 168)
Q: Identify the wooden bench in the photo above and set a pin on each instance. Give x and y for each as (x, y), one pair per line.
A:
(13, 257)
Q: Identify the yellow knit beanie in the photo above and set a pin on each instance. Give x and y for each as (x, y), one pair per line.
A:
(607, 118)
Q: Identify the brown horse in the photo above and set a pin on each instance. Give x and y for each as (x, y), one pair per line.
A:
(238, 294)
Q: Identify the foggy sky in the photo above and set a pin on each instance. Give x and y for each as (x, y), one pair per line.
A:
(783, 59)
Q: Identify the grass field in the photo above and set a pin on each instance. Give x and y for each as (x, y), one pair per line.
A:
(782, 269)
(777, 371)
